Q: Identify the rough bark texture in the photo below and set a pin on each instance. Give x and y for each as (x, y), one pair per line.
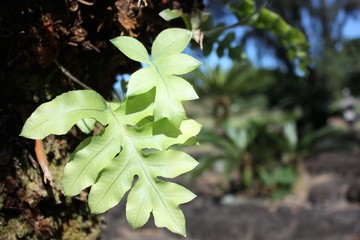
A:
(39, 41)
(32, 209)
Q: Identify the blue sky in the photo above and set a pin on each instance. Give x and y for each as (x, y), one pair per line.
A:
(351, 29)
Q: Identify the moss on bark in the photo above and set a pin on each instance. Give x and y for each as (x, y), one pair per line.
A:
(32, 209)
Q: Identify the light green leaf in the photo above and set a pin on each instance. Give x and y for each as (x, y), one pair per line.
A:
(177, 64)
(170, 97)
(168, 214)
(141, 81)
(86, 125)
(170, 41)
(89, 158)
(116, 178)
(132, 48)
(169, 15)
(134, 153)
(169, 164)
(149, 194)
(59, 115)
(290, 133)
(110, 161)
(167, 61)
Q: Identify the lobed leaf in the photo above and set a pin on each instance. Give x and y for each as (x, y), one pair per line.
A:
(170, 41)
(148, 192)
(132, 48)
(177, 64)
(88, 159)
(167, 61)
(59, 115)
(134, 152)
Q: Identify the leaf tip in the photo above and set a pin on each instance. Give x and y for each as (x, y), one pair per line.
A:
(25, 134)
(112, 40)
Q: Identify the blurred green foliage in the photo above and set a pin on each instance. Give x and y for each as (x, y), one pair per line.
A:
(257, 18)
(266, 121)
(260, 151)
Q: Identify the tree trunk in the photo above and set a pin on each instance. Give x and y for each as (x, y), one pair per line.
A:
(31, 208)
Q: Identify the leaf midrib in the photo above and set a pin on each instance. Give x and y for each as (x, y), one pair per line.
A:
(94, 156)
(159, 55)
(115, 180)
(161, 77)
(127, 138)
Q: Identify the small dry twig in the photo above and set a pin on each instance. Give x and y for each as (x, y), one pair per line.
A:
(70, 76)
(85, 2)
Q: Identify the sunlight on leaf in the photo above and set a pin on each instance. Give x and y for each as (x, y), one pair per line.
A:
(134, 153)
(167, 61)
(169, 15)
(59, 115)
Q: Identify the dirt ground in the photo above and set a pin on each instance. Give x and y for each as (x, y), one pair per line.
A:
(325, 205)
